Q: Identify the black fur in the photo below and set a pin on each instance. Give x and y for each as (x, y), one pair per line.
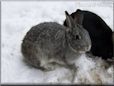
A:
(100, 33)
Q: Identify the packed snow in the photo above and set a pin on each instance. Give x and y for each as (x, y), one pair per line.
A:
(17, 17)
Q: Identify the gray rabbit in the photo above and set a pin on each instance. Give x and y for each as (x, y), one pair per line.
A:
(50, 43)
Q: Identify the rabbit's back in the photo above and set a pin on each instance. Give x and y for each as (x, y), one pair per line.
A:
(47, 29)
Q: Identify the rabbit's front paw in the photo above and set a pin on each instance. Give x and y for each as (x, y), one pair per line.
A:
(49, 67)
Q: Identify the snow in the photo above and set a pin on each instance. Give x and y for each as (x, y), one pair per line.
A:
(17, 17)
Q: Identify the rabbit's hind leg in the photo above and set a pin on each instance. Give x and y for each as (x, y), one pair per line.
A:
(43, 67)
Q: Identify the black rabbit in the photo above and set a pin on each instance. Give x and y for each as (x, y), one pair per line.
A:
(100, 33)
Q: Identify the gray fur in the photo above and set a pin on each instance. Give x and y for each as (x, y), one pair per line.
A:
(113, 42)
(50, 43)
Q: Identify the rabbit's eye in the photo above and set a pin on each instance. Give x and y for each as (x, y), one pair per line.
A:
(77, 37)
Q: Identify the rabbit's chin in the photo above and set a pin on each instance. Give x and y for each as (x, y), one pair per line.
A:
(76, 51)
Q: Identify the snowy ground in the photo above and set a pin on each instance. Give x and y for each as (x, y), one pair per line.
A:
(18, 17)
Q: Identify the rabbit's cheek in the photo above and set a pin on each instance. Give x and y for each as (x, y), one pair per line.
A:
(76, 47)
(71, 47)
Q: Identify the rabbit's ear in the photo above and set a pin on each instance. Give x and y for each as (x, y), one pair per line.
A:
(69, 20)
(78, 17)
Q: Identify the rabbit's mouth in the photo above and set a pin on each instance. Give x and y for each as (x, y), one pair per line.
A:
(81, 52)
